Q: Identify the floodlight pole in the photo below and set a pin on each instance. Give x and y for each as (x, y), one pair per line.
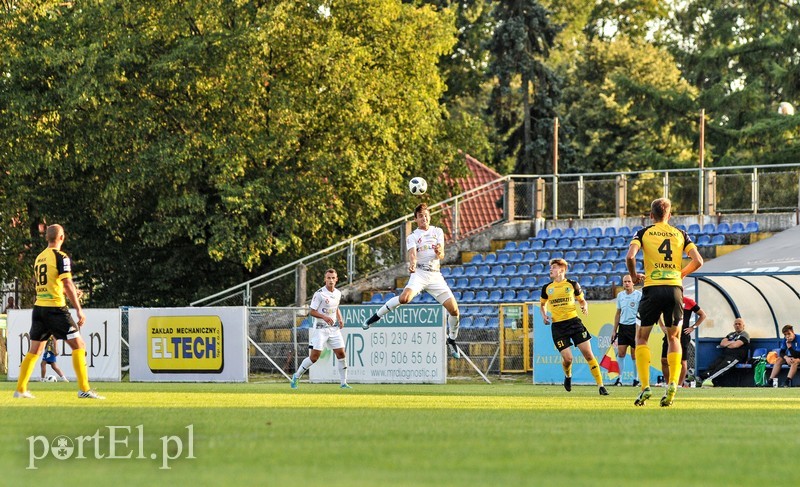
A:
(555, 168)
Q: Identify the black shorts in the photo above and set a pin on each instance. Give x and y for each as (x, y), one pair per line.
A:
(685, 341)
(658, 301)
(626, 335)
(569, 332)
(53, 321)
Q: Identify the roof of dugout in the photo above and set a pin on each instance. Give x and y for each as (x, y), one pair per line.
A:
(759, 282)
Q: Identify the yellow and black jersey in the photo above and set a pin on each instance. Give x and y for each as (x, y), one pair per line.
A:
(560, 298)
(49, 270)
(663, 246)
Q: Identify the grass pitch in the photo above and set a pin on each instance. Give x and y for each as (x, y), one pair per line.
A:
(457, 434)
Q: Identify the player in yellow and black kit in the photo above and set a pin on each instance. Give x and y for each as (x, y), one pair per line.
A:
(53, 275)
(662, 295)
(560, 296)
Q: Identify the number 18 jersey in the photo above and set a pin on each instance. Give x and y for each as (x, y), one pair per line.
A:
(663, 246)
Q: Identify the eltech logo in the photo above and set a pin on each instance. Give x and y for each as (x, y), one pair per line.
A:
(119, 443)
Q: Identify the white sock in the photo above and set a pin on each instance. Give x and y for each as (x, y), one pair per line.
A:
(389, 306)
(342, 367)
(304, 365)
(635, 370)
(452, 323)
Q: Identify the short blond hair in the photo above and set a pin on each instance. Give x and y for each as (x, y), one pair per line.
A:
(660, 208)
(561, 262)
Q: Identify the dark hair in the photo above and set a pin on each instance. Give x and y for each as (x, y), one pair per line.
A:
(420, 208)
(660, 208)
(787, 328)
(328, 271)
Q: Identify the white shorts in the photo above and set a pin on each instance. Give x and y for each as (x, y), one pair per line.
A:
(432, 282)
(330, 336)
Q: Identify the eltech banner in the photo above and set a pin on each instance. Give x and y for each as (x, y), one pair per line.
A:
(188, 344)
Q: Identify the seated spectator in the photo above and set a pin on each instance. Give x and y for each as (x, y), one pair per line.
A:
(733, 350)
(789, 355)
(9, 305)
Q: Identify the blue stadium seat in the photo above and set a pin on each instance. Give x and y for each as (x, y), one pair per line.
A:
(582, 232)
(681, 226)
(489, 282)
(523, 270)
(615, 280)
(635, 229)
(467, 297)
(468, 311)
(703, 240)
(479, 322)
(465, 322)
(502, 282)
(503, 259)
(388, 295)
(515, 282)
(488, 311)
(611, 255)
(693, 229)
(724, 228)
(543, 256)
(484, 270)
(596, 232)
(604, 243)
(738, 227)
(492, 323)
(529, 257)
(306, 323)
(585, 281)
(537, 268)
(523, 295)
(476, 259)
(584, 255)
(620, 268)
(570, 256)
(542, 234)
(471, 271)
(606, 267)
(709, 229)
(624, 231)
(426, 298)
(457, 295)
(564, 244)
(482, 296)
(508, 296)
(461, 283)
(495, 296)
(515, 258)
(578, 243)
(510, 246)
(557, 254)
(718, 239)
(568, 233)
(541, 281)
(497, 270)
(447, 270)
(578, 268)
(524, 246)
(590, 243)
(610, 232)
(509, 270)
(592, 268)
(752, 227)
(621, 242)
(598, 255)
(377, 298)
(537, 245)
(490, 258)
(457, 272)
(475, 283)
(600, 281)
(529, 282)
(555, 233)
(550, 244)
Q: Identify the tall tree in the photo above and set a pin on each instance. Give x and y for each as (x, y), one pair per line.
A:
(525, 97)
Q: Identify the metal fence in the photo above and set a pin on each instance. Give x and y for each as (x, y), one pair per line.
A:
(749, 189)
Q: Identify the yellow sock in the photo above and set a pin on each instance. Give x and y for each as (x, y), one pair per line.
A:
(567, 369)
(594, 368)
(79, 364)
(643, 364)
(25, 371)
(674, 361)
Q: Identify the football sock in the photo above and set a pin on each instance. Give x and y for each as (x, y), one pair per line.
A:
(567, 369)
(79, 364)
(386, 308)
(342, 367)
(621, 362)
(25, 371)
(304, 365)
(594, 368)
(643, 365)
(633, 363)
(674, 361)
(452, 324)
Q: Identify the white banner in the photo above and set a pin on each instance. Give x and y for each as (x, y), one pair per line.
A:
(101, 332)
(406, 346)
(188, 344)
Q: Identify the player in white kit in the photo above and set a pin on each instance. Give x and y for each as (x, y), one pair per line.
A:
(425, 251)
(328, 324)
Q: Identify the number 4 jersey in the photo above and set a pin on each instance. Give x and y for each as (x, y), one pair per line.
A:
(663, 246)
(50, 268)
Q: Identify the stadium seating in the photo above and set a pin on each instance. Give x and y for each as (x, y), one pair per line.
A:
(467, 297)
(524, 246)
(490, 258)
(751, 227)
(718, 239)
(724, 228)
(555, 233)
(709, 229)
(568, 233)
(582, 232)
(510, 246)
(503, 258)
(470, 271)
(738, 227)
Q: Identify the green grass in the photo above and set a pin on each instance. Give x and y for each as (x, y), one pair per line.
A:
(458, 434)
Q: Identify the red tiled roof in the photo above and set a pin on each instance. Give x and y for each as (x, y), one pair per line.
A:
(475, 213)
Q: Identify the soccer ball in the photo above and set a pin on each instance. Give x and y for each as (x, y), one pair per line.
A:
(785, 108)
(51, 378)
(417, 186)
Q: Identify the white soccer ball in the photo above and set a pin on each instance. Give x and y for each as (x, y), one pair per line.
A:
(785, 108)
(417, 186)
(52, 378)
